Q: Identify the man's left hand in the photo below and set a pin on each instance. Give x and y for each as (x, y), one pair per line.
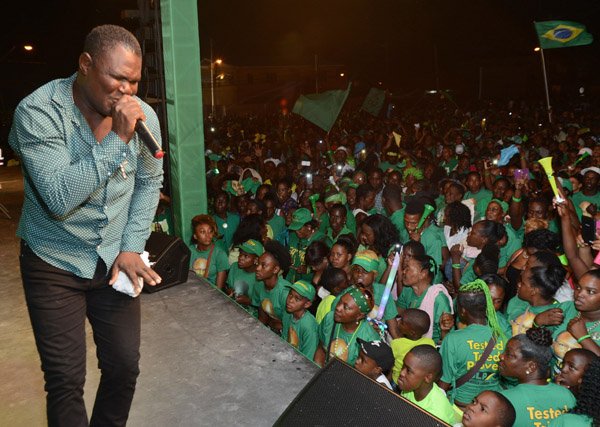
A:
(132, 265)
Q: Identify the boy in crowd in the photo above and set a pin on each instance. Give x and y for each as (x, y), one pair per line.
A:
(488, 409)
(417, 383)
(241, 279)
(412, 325)
(299, 325)
(375, 360)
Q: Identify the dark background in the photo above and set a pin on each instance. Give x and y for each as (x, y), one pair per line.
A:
(395, 42)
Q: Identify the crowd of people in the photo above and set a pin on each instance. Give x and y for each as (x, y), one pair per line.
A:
(493, 314)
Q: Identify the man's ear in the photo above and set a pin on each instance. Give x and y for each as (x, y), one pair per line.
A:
(85, 63)
(429, 378)
(307, 304)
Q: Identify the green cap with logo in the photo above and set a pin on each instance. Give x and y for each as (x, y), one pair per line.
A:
(252, 247)
(299, 218)
(367, 260)
(303, 288)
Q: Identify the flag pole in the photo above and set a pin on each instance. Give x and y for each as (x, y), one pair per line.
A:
(549, 108)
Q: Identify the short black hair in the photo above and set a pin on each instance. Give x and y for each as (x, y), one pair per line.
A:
(418, 320)
(332, 277)
(458, 215)
(104, 38)
(541, 239)
(429, 358)
(316, 252)
(506, 411)
(348, 241)
(363, 190)
(392, 192)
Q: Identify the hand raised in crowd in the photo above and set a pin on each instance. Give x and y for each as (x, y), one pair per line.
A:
(551, 317)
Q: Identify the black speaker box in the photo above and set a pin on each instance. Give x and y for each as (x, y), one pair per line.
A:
(339, 395)
(172, 258)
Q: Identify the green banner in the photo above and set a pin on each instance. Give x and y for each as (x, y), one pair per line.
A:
(374, 101)
(322, 109)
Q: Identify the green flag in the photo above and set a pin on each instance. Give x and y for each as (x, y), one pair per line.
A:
(374, 101)
(553, 34)
(322, 109)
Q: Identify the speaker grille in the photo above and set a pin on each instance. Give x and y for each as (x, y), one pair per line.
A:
(341, 396)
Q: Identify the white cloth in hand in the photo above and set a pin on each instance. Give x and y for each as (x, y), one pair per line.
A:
(124, 284)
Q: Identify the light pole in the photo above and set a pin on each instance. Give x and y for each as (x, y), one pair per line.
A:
(212, 82)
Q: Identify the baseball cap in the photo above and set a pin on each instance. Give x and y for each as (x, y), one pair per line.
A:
(367, 260)
(304, 288)
(590, 169)
(252, 247)
(299, 218)
(379, 351)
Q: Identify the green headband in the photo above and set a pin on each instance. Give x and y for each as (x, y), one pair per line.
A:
(360, 299)
(479, 285)
(502, 204)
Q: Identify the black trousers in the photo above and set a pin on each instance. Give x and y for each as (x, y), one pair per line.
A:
(59, 302)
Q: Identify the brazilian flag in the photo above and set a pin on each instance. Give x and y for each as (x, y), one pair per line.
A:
(553, 34)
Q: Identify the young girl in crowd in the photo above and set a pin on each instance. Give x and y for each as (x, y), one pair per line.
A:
(342, 252)
(271, 292)
(378, 234)
(207, 259)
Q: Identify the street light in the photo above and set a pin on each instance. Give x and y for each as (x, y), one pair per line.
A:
(212, 83)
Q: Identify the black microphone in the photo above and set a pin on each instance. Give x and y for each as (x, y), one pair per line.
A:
(144, 133)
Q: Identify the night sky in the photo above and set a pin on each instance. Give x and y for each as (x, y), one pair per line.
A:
(388, 40)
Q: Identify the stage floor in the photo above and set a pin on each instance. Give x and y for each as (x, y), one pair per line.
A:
(205, 361)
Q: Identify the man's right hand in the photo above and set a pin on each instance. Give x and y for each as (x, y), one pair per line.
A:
(125, 114)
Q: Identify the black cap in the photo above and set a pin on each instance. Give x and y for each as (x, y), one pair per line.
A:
(379, 351)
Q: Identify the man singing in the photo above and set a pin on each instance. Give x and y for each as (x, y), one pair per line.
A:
(91, 190)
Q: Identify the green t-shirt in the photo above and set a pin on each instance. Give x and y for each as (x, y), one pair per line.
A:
(513, 244)
(450, 165)
(329, 234)
(408, 299)
(344, 345)
(324, 222)
(435, 403)
(460, 350)
(571, 420)
(227, 227)
(242, 282)
(433, 241)
(468, 274)
(218, 262)
(482, 199)
(536, 405)
(301, 333)
(350, 220)
(271, 301)
(400, 347)
(521, 314)
(397, 218)
(579, 197)
(277, 224)
(504, 324)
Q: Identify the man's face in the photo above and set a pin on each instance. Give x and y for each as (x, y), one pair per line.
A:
(473, 183)
(412, 375)
(362, 277)
(337, 219)
(590, 181)
(270, 207)
(294, 302)
(376, 179)
(411, 221)
(108, 77)
(494, 212)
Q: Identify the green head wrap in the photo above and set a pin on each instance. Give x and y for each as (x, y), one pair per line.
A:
(360, 299)
(502, 204)
(477, 286)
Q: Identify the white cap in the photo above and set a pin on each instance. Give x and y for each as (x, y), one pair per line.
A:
(591, 169)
